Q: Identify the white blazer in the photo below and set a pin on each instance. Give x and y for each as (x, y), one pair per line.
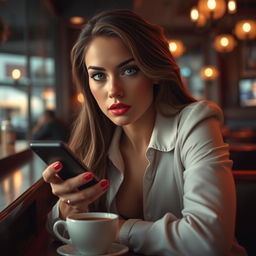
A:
(188, 189)
(189, 194)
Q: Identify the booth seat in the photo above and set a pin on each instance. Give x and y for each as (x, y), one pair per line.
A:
(246, 209)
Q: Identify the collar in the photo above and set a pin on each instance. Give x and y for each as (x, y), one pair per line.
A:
(163, 138)
(164, 133)
(165, 130)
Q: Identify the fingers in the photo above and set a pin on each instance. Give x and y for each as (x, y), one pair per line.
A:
(72, 184)
(67, 190)
(86, 196)
(50, 174)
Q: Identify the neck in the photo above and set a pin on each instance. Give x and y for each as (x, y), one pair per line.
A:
(138, 134)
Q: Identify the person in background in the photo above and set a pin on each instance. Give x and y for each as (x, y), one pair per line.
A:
(49, 127)
(251, 94)
(157, 152)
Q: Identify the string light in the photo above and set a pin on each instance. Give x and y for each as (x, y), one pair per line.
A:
(245, 29)
(80, 97)
(194, 14)
(213, 9)
(224, 43)
(211, 4)
(231, 6)
(209, 73)
(76, 20)
(197, 17)
(176, 47)
(16, 74)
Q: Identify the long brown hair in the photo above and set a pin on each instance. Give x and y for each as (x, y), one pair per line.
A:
(93, 131)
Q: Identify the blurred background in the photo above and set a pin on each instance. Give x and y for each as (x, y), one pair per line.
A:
(214, 42)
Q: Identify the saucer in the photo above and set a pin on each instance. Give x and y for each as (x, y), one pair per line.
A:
(115, 249)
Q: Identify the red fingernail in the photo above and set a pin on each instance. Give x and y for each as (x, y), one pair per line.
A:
(57, 166)
(88, 176)
(103, 183)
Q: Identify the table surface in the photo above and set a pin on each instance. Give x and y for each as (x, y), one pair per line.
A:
(18, 146)
(55, 245)
(46, 245)
(15, 183)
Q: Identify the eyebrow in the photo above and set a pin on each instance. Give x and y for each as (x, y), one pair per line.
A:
(118, 66)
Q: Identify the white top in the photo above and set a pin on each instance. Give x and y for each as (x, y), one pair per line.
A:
(188, 189)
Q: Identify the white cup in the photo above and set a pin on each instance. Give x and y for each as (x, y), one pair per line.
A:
(90, 233)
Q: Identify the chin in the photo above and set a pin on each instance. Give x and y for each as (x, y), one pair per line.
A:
(120, 121)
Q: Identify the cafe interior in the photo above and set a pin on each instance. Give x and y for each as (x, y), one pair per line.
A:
(214, 44)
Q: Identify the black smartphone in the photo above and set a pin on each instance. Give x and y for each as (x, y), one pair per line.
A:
(52, 151)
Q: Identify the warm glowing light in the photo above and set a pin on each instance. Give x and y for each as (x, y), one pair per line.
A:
(17, 180)
(212, 8)
(197, 17)
(245, 29)
(6, 186)
(176, 47)
(76, 20)
(80, 97)
(211, 4)
(173, 46)
(194, 14)
(209, 73)
(202, 20)
(48, 94)
(224, 41)
(16, 74)
(231, 6)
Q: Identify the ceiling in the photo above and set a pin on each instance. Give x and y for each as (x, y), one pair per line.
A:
(173, 15)
(167, 13)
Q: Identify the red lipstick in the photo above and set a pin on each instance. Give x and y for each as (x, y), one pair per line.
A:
(119, 108)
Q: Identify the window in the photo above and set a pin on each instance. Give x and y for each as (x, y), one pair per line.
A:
(27, 64)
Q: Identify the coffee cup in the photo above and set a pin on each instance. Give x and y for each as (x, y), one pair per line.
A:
(91, 233)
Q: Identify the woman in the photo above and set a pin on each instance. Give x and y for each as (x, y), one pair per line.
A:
(157, 152)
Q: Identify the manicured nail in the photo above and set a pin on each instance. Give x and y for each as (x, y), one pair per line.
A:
(57, 166)
(104, 183)
(88, 176)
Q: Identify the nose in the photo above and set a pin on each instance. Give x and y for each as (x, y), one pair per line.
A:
(115, 88)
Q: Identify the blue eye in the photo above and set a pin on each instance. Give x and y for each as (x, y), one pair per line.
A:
(131, 71)
(98, 76)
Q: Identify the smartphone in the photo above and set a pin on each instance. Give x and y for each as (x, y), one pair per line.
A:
(52, 151)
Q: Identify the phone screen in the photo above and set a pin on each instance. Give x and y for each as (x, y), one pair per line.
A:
(52, 151)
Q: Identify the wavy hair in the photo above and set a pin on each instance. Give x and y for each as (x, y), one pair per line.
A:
(92, 132)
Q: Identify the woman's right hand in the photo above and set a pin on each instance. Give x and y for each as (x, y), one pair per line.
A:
(73, 200)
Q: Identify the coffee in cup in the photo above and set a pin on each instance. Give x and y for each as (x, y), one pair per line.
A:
(90, 233)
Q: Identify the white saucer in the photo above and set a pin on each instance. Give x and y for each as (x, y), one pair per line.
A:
(115, 249)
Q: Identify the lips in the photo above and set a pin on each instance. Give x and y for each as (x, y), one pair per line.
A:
(119, 108)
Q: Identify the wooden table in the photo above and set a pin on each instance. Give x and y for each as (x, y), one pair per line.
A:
(45, 245)
(17, 174)
(25, 200)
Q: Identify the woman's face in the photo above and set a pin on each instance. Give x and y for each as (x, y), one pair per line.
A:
(122, 91)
